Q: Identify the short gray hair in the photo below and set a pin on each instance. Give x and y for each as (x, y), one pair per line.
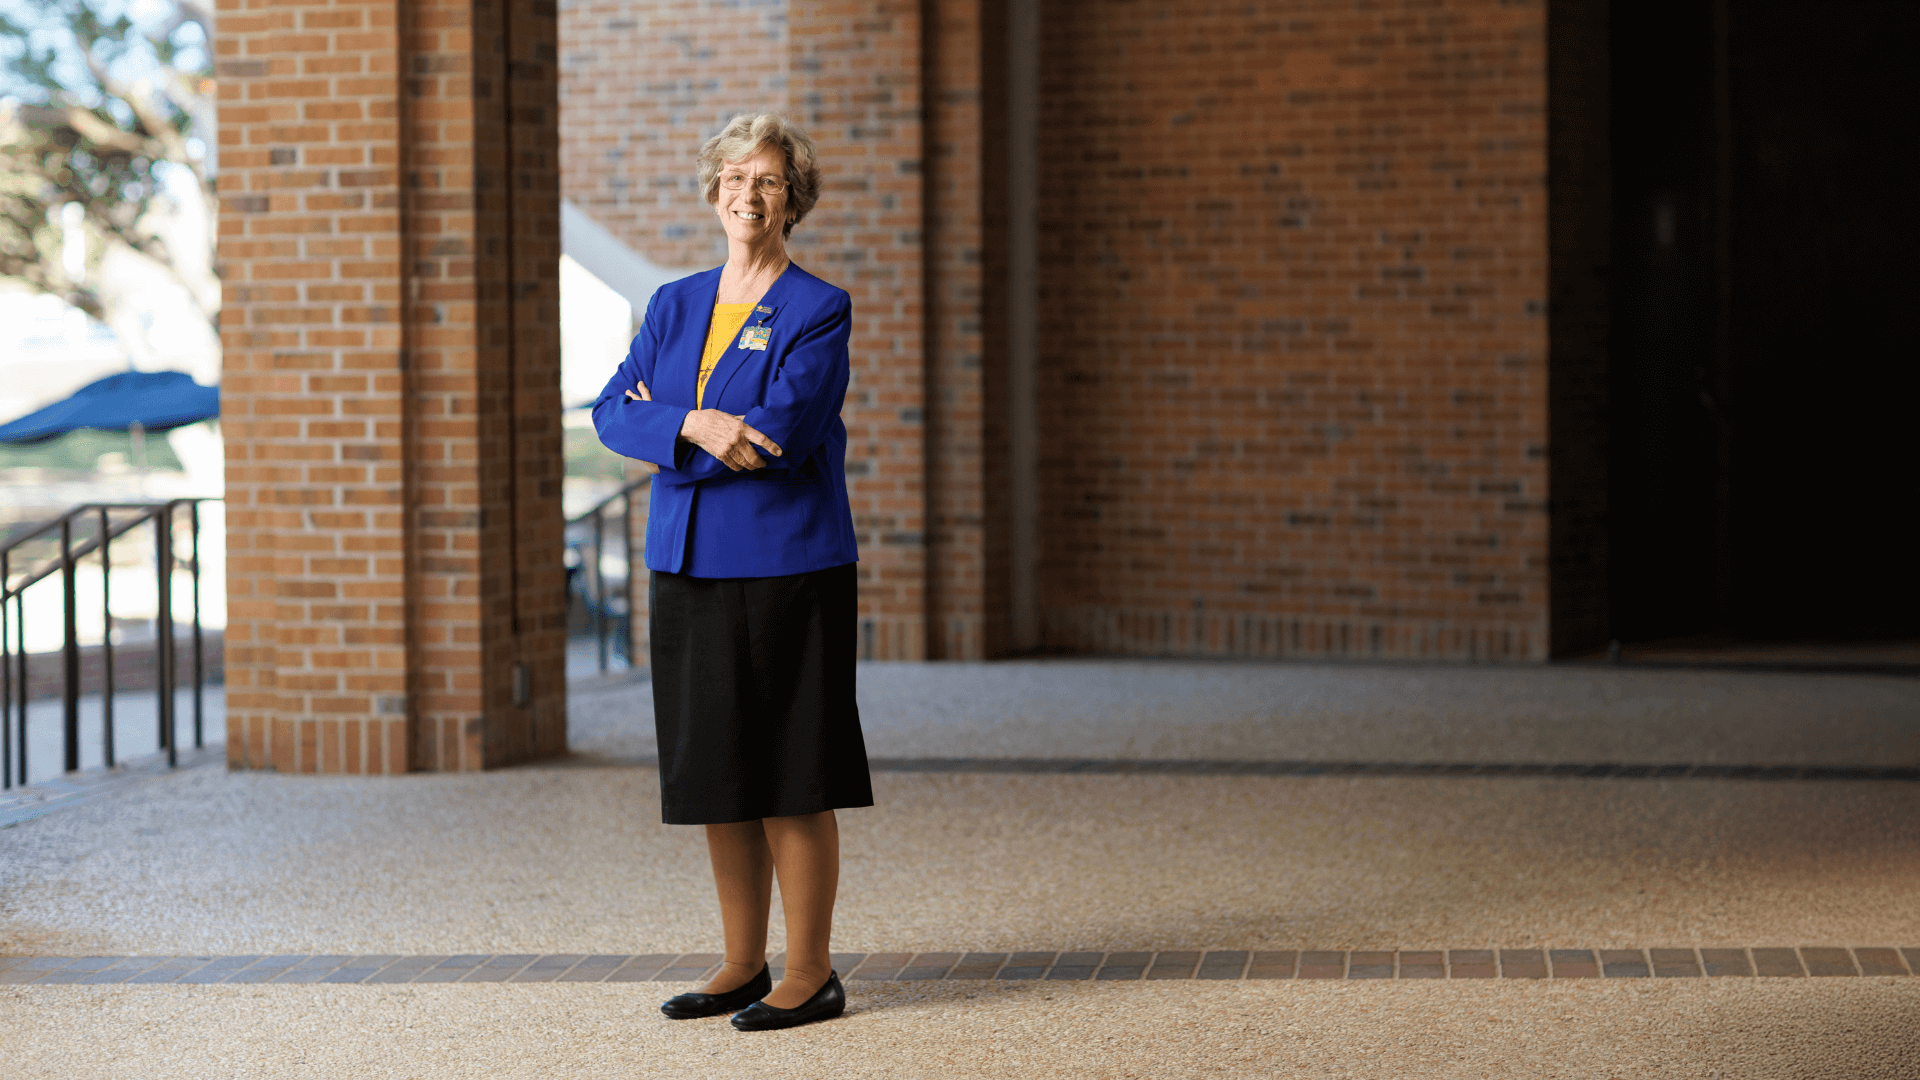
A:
(747, 133)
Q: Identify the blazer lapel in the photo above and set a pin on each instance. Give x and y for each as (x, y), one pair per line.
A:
(735, 357)
(682, 367)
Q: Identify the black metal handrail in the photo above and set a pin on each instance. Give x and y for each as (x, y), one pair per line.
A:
(106, 527)
(597, 518)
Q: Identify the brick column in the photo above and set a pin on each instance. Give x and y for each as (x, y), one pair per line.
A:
(956, 494)
(391, 397)
(855, 87)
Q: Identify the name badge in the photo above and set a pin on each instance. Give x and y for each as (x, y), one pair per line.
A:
(755, 338)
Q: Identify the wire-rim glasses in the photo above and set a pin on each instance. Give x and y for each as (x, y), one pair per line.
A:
(765, 185)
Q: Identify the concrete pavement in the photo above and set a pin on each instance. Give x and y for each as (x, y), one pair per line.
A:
(570, 857)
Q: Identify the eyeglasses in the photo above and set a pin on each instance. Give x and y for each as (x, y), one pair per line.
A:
(765, 185)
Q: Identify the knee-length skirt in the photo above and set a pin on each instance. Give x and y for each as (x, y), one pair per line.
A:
(753, 696)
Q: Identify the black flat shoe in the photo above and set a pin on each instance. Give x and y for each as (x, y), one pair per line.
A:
(695, 1006)
(826, 1003)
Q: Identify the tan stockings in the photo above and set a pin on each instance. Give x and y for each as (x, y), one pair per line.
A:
(805, 852)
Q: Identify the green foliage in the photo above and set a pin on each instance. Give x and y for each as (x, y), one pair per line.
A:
(588, 457)
(97, 105)
(81, 451)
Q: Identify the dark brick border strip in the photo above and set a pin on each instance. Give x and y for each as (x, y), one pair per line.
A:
(1575, 769)
(1227, 964)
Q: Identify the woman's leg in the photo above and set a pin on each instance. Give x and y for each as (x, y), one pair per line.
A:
(806, 855)
(743, 874)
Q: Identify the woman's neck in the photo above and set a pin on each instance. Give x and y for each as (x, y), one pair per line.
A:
(750, 273)
(755, 264)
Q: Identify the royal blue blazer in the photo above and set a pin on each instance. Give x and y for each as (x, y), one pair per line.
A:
(791, 516)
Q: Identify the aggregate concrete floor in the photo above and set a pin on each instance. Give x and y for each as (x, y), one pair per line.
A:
(1806, 1030)
(569, 860)
(571, 857)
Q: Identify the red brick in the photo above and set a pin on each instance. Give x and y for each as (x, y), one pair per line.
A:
(341, 318)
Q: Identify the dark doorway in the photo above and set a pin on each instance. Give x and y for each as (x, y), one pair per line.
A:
(1765, 224)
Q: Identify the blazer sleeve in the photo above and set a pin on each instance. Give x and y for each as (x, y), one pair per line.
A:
(803, 397)
(643, 430)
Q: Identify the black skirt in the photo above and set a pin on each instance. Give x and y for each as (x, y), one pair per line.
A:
(753, 696)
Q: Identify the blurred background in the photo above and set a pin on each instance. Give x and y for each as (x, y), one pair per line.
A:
(107, 122)
(1473, 332)
(109, 351)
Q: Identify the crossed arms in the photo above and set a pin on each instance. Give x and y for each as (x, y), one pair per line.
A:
(691, 445)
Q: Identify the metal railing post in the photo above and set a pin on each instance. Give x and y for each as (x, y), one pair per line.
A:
(199, 649)
(106, 640)
(600, 587)
(69, 650)
(20, 658)
(163, 629)
(606, 638)
(69, 552)
(627, 546)
(6, 679)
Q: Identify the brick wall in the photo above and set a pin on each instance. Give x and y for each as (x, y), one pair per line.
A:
(1292, 372)
(1293, 336)
(391, 424)
(1293, 356)
(643, 85)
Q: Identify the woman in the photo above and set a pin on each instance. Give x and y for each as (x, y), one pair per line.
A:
(733, 388)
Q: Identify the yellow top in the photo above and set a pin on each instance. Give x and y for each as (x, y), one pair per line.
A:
(727, 321)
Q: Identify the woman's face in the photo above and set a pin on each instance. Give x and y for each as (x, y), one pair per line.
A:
(748, 214)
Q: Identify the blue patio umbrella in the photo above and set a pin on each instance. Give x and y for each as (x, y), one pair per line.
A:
(156, 400)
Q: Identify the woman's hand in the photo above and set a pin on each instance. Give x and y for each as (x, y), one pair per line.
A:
(727, 437)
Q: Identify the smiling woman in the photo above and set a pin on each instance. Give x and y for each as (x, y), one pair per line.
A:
(733, 389)
(729, 154)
